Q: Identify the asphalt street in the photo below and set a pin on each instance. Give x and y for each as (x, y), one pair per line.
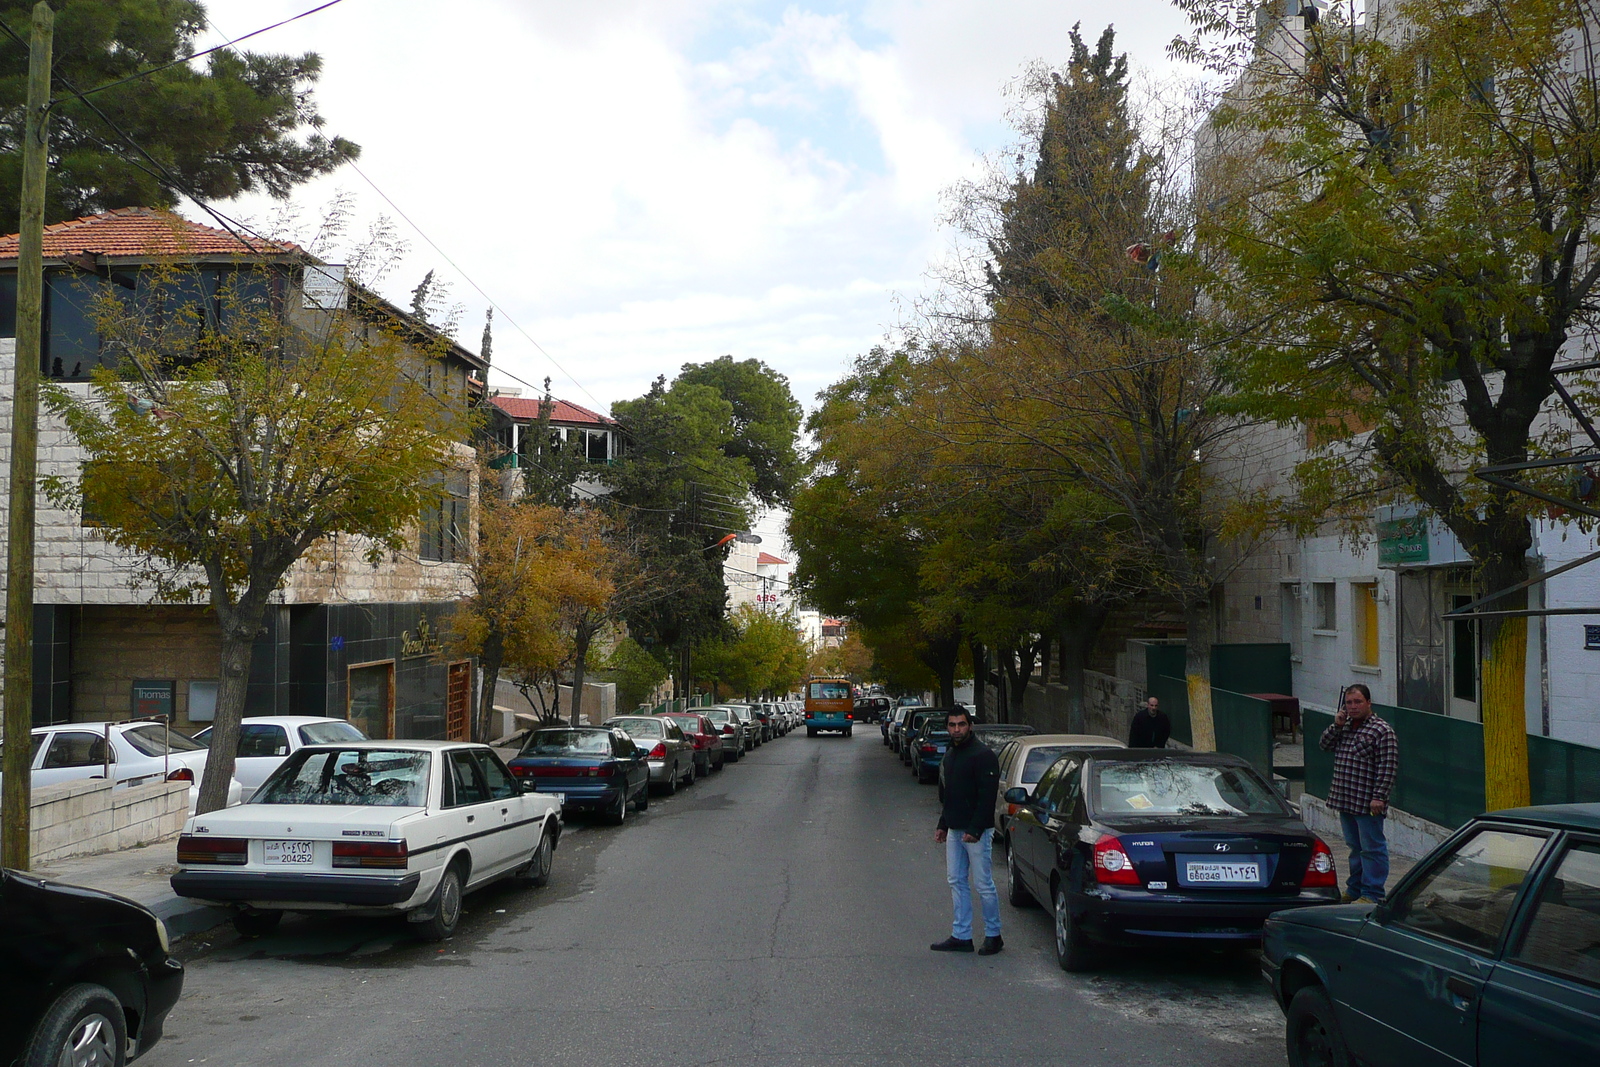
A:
(776, 913)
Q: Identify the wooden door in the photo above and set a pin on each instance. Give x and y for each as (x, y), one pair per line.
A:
(458, 702)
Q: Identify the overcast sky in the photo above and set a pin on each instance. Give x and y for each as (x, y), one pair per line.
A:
(644, 183)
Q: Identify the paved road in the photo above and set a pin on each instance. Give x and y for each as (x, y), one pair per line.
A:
(777, 913)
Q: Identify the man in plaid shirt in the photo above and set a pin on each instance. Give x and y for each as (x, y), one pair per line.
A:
(1365, 758)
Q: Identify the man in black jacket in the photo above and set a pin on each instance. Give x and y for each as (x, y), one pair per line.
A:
(966, 830)
(1150, 727)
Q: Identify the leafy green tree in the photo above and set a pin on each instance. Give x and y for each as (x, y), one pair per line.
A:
(245, 122)
(766, 422)
(1400, 217)
(218, 454)
(636, 672)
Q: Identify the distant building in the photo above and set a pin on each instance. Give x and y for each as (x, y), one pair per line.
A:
(513, 417)
(757, 578)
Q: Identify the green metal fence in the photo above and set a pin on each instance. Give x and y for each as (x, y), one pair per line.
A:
(1441, 765)
(1252, 668)
(1243, 724)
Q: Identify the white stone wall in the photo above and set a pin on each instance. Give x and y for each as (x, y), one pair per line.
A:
(92, 815)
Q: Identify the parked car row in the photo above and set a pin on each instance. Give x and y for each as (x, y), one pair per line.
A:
(610, 768)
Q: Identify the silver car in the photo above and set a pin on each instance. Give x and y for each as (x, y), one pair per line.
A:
(751, 724)
(732, 730)
(669, 753)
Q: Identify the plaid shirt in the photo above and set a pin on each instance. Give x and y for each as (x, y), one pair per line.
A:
(1365, 759)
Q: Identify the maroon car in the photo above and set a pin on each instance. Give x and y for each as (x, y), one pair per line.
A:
(708, 750)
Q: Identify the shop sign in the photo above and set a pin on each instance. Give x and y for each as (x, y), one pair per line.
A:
(1403, 541)
(421, 644)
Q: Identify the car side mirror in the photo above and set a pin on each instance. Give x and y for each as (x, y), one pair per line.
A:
(1016, 795)
(1380, 913)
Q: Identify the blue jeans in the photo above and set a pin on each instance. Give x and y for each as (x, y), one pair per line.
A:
(1369, 855)
(962, 858)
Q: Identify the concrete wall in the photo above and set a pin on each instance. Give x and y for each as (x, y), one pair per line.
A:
(1109, 704)
(114, 644)
(83, 817)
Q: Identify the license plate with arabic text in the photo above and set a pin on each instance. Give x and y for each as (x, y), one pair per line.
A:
(1223, 873)
(288, 852)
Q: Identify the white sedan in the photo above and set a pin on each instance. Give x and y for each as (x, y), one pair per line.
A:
(140, 753)
(372, 826)
(265, 741)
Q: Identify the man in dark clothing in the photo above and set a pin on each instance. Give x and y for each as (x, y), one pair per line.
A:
(1151, 727)
(966, 830)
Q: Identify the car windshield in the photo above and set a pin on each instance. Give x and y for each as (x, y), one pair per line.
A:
(718, 716)
(568, 743)
(830, 690)
(329, 733)
(1166, 787)
(349, 777)
(650, 728)
(1039, 760)
(997, 739)
(689, 724)
(153, 739)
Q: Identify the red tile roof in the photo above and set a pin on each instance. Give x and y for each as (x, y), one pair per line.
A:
(141, 231)
(768, 557)
(566, 411)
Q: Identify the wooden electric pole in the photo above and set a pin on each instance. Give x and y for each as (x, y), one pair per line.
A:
(15, 816)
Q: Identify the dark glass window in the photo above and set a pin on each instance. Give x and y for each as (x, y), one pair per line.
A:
(1467, 895)
(72, 346)
(444, 525)
(1564, 936)
(8, 305)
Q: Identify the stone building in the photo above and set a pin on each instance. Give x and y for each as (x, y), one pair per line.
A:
(346, 637)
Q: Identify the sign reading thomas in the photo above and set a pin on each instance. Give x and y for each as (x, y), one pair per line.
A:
(152, 697)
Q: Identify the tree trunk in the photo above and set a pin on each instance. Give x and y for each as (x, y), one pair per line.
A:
(1197, 673)
(943, 656)
(239, 629)
(1075, 640)
(979, 668)
(580, 647)
(492, 656)
(1505, 717)
(1018, 663)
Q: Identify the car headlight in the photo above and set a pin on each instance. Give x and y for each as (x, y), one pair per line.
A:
(161, 935)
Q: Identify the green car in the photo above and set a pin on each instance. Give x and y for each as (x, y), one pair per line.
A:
(1486, 953)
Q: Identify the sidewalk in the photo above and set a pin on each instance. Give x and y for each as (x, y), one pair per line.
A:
(139, 874)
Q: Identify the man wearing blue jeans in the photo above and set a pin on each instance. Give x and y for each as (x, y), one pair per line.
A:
(1366, 756)
(966, 830)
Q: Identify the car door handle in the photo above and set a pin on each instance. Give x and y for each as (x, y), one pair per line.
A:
(471, 818)
(1460, 987)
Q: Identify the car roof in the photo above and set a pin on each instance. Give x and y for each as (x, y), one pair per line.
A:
(1171, 755)
(420, 744)
(1077, 740)
(291, 720)
(1560, 816)
(591, 729)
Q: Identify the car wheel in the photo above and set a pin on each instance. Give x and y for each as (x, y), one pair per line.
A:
(671, 784)
(1017, 894)
(1073, 950)
(643, 801)
(692, 774)
(85, 1025)
(536, 871)
(446, 906)
(847, 733)
(810, 732)
(619, 814)
(256, 923)
(1311, 1031)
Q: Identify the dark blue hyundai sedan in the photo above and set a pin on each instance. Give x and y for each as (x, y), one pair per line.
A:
(594, 768)
(1486, 953)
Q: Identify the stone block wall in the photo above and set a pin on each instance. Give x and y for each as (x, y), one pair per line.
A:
(1109, 703)
(88, 816)
(112, 645)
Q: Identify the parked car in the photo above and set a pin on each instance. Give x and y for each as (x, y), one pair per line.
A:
(1487, 952)
(588, 768)
(764, 718)
(915, 724)
(751, 724)
(670, 754)
(403, 827)
(927, 754)
(266, 741)
(1025, 759)
(705, 737)
(731, 727)
(84, 976)
(897, 732)
(996, 734)
(141, 752)
(889, 722)
(1130, 847)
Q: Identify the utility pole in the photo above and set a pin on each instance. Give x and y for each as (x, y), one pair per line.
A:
(15, 804)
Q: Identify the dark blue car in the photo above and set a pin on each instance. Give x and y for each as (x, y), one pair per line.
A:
(594, 768)
(1140, 847)
(927, 752)
(1486, 953)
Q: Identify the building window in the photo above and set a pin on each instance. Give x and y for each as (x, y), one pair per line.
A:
(1289, 616)
(443, 535)
(1324, 606)
(597, 446)
(1364, 614)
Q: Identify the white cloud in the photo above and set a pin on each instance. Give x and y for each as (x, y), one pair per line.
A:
(642, 183)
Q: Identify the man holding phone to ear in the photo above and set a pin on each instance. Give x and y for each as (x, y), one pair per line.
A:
(1366, 756)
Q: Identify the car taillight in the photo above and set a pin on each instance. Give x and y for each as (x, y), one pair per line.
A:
(1111, 864)
(1320, 871)
(519, 771)
(660, 751)
(605, 770)
(369, 854)
(192, 849)
(808, 714)
(182, 774)
(929, 750)
(848, 715)
(727, 729)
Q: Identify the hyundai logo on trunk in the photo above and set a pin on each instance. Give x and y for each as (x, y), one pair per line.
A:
(1221, 846)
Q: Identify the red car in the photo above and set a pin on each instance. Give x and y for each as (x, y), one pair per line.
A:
(708, 751)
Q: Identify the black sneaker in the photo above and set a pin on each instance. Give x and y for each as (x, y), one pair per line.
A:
(992, 945)
(952, 944)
